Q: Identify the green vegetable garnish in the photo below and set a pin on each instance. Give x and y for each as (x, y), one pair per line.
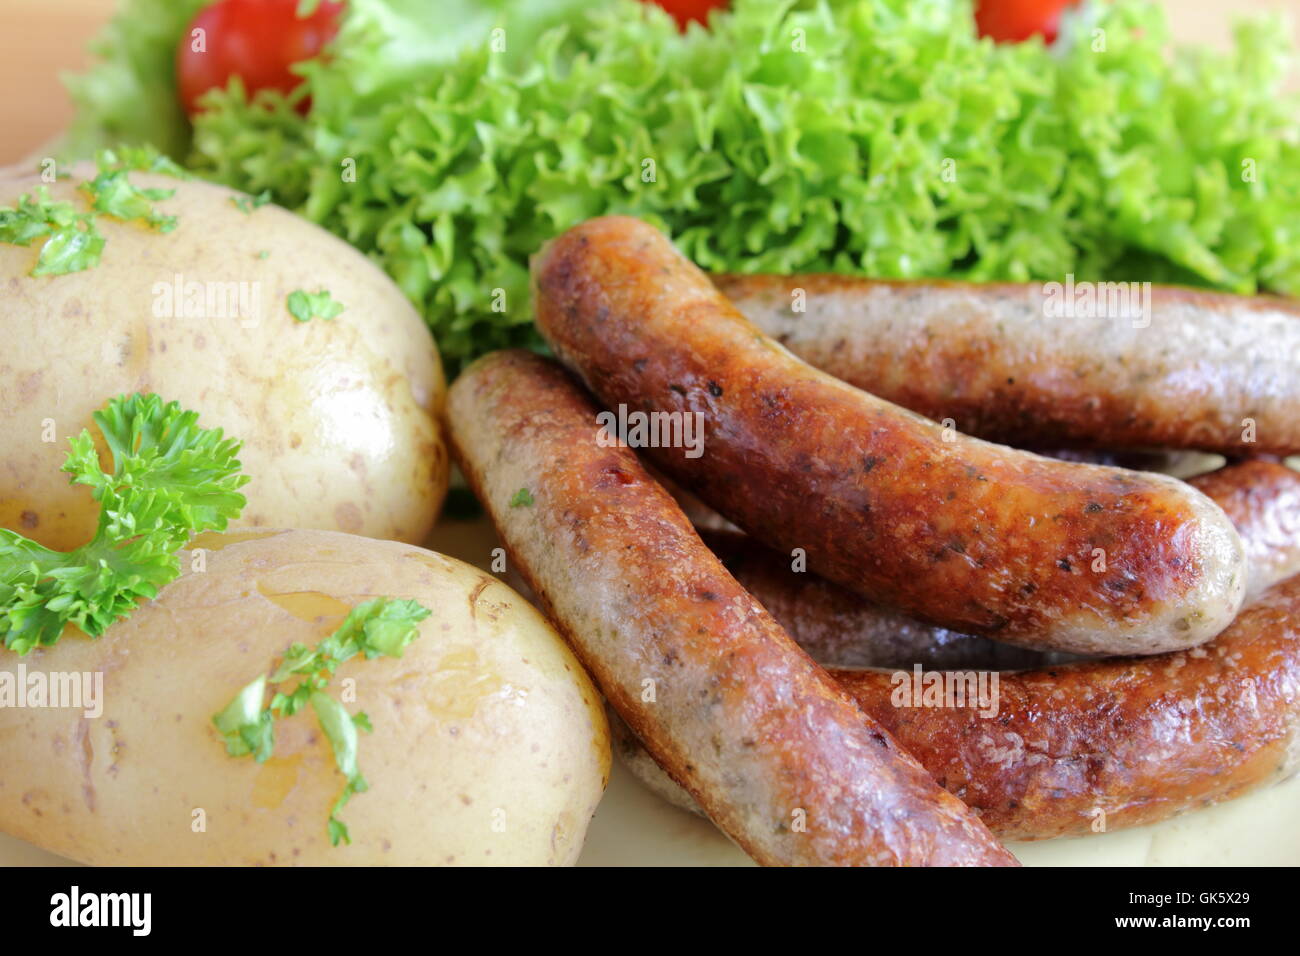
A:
(381, 627)
(305, 306)
(35, 216)
(341, 730)
(140, 159)
(246, 204)
(523, 498)
(72, 242)
(170, 480)
(113, 194)
(130, 94)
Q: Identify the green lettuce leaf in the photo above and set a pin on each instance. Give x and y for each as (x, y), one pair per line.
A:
(129, 96)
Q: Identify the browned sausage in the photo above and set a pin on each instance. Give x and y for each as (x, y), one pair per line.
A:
(964, 534)
(1194, 370)
(1116, 743)
(1262, 499)
(1096, 745)
(780, 758)
(841, 629)
(1180, 464)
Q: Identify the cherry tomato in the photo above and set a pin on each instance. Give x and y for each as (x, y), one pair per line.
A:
(684, 11)
(258, 40)
(1010, 21)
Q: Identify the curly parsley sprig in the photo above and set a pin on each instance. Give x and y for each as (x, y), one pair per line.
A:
(170, 479)
(381, 627)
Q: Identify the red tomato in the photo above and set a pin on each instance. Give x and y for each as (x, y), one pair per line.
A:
(1010, 21)
(258, 40)
(684, 11)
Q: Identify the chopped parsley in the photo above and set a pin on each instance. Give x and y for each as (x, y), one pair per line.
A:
(112, 194)
(381, 627)
(305, 306)
(72, 243)
(246, 204)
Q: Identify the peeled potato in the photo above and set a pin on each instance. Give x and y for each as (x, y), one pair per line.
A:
(490, 745)
(338, 417)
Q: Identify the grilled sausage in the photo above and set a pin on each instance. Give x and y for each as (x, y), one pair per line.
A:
(1262, 499)
(638, 760)
(967, 535)
(1195, 370)
(840, 629)
(1096, 745)
(1117, 743)
(1180, 464)
(780, 758)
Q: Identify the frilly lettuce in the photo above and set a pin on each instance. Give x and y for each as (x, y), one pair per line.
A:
(129, 96)
(878, 137)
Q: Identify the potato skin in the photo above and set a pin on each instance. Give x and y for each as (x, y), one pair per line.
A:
(338, 418)
(490, 744)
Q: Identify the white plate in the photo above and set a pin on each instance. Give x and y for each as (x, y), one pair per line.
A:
(633, 827)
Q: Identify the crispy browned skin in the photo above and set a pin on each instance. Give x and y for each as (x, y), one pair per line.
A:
(1262, 500)
(1138, 740)
(1180, 464)
(991, 359)
(742, 718)
(964, 534)
(838, 628)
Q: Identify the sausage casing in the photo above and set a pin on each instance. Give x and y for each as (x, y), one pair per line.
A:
(1262, 500)
(1193, 369)
(1100, 745)
(839, 628)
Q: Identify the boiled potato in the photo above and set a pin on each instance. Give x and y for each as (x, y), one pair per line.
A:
(490, 745)
(338, 418)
